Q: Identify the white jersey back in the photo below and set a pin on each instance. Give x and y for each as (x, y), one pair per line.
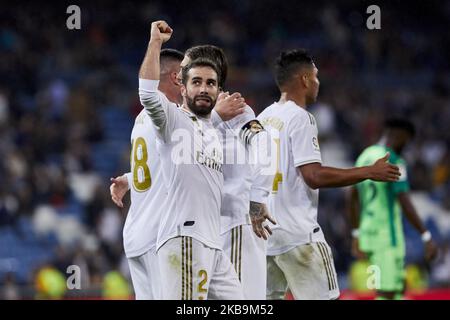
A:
(191, 157)
(292, 202)
(147, 190)
(237, 172)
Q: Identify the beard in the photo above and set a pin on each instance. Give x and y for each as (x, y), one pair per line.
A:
(201, 105)
(312, 98)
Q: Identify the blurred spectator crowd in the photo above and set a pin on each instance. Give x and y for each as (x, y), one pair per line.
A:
(68, 100)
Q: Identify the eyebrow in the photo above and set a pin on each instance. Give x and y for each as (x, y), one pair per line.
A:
(200, 78)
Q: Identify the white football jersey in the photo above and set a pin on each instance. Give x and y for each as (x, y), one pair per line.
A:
(191, 157)
(237, 172)
(147, 190)
(292, 202)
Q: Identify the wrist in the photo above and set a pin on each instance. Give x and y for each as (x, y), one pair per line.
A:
(155, 42)
(255, 208)
(369, 174)
(355, 233)
(221, 115)
(426, 236)
(129, 179)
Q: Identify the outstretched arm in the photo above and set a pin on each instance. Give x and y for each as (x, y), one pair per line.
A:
(318, 176)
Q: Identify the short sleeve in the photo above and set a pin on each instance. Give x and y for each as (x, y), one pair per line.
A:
(303, 138)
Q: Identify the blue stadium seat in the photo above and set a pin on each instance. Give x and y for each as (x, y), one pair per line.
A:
(28, 253)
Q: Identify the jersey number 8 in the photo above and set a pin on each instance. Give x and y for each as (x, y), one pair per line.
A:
(142, 179)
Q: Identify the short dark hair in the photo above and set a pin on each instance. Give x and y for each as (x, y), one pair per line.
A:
(214, 54)
(167, 56)
(402, 124)
(288, 63)
(202, 62)
(171, 54)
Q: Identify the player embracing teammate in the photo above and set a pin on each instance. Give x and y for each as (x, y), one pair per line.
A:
(205, 247)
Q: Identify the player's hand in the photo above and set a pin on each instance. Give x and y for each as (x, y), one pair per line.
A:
(259, 214)
(229, 106)
(356, 252)
(160, 31)
(382, 170)
(431, 251)
(118, 188)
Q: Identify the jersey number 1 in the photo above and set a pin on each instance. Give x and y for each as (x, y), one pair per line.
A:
(142, 179)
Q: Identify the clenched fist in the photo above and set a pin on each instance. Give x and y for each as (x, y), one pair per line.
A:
(160, 31)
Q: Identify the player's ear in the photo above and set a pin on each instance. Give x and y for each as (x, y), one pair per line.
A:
(174, 78)
(183, 90)
(305, 80)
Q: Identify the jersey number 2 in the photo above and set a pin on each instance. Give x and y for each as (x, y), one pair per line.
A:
(142, 179)
(204, 275)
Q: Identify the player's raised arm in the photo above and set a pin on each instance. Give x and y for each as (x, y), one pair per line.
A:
(155, 102)
(160, 32)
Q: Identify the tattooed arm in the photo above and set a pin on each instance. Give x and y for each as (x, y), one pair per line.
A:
(258, 215)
